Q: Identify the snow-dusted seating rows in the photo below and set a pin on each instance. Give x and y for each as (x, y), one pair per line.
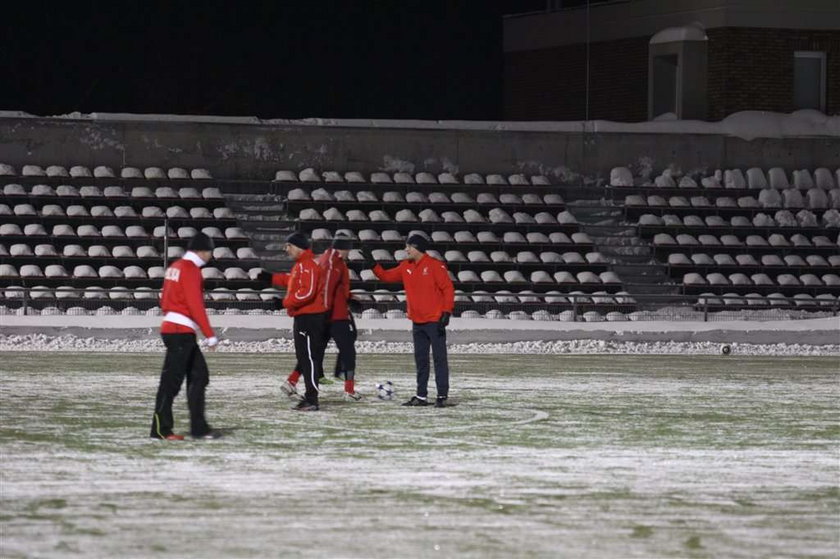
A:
(776, 299)
(417, 197)
(122, 293)
(814, 199)
(111, 192)
(776, 240)
(492, 276)
(104, 172)
(120, 212)
(776, 178)
(47, 250)
(115, 231)
(497, 256)
(754, 261)
(782, 218)
(460, 237)
(507, 297)
(311, 176)
(761, 279)
(108, 271)
(429, 215)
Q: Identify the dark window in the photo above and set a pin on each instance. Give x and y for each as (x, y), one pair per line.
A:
(809, 80)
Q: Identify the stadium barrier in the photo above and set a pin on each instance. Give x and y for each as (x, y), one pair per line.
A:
(547, 307)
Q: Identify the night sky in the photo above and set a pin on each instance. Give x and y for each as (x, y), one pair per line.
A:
(424, 59)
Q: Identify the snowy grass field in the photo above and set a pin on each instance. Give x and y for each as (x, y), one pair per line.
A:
(545, 456)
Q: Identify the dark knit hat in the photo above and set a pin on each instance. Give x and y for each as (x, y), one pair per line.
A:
(200, 241)
(298, 239)
(419, 242)
(342, 243)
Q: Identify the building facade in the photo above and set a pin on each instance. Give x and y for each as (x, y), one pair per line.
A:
(634, 60)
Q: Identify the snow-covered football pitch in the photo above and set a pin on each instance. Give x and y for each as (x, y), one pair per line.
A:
(544, 456)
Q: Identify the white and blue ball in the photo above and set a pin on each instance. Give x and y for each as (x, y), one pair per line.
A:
(385, 390)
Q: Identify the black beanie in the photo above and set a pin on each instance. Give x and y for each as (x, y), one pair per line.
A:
(298, 239)
(419, 242)
(342, 243)
(200, 241)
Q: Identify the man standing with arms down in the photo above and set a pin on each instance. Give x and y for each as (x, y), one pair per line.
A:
(182, 302)
(430, 299)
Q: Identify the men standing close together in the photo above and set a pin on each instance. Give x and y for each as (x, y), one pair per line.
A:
(317, 298)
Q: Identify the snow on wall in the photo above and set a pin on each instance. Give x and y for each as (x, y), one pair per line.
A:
(746, 125)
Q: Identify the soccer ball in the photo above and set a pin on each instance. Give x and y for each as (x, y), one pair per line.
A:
(726, 349)
(385, 390)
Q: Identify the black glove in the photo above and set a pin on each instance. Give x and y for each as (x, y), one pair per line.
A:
(354, 305)
(277, 303)
(265, 277)
(443, 322)
(370, 262)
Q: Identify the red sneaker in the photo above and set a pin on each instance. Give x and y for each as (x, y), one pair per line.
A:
(174, 437)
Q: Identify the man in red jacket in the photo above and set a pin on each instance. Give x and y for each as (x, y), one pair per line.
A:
(340, 325)
(305, 302)
(430, 299)
(182, 302)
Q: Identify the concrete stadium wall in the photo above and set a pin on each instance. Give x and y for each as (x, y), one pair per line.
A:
(232, 150)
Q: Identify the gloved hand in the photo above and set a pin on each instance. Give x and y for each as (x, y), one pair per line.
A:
(370, 262)
(354, 305)
(265, 277)
(277, 303)
(443, 322)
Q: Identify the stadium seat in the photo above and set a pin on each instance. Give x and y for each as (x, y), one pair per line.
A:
(222, 253)
(149, 212)
(123, 251)
(403, 178)
(136, 232)
(101, 211)
(621, 176)
(379, 216)
(36, 230)
(112, 231)
(771, 260)
(823, 178)
(55, 271)
(13, 190)
(124, 211)
(20, 249)
(176, 212)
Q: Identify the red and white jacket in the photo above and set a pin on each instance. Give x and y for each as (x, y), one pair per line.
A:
(428, 289)
(304, 286)
(336, 278)
(336, 284)
(182, 300)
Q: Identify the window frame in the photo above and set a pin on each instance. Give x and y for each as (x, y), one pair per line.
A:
(821, 56)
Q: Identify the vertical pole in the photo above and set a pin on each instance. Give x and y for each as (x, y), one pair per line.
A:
(165, 242)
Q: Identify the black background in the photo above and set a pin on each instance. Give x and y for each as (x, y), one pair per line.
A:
(424, 59)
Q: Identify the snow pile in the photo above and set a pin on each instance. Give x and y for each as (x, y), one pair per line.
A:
(746, 125)
(70, 343)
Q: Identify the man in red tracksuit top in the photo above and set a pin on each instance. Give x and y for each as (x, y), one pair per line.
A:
(430, 299)
(340, 324)
(182, 302)
(304, 301)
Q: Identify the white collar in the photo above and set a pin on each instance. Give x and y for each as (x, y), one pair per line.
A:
(194, 258)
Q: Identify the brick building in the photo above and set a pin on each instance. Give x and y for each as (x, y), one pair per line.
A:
(700, 59)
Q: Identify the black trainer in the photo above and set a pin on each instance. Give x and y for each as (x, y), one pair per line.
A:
(416, 401)
(303, 405)
(209, 435)
(440, 402)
